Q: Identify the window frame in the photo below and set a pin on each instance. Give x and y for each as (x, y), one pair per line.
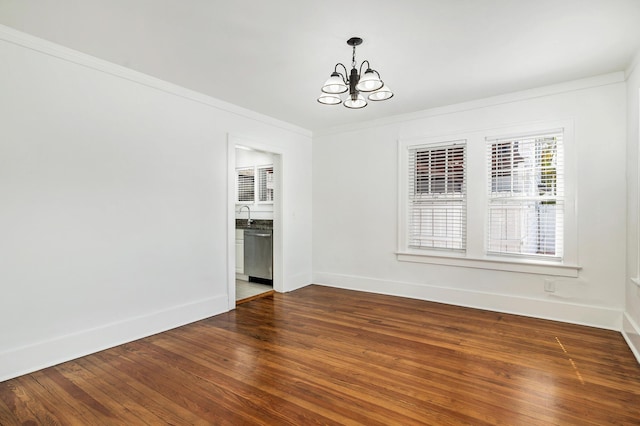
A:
(241, 185)
(256, 184)
(477, 173)
(440, 197)
(497, 198)
(268, 181)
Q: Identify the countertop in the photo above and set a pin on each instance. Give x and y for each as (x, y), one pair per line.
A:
(255, 224)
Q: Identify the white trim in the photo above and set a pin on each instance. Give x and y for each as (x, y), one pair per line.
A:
(403, 147)
(499, 199)
(524, 266)
(295, 282)
(476, 256)
(523, 135)
(632, 65)
(453, 202)
(232, 190)
(545, 308)
(637, 268)
(631, 334)
(26, 359)
(554, 89)
(279, 284)
(43, 46)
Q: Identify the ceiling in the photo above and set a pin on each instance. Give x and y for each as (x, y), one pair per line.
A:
(273, 56)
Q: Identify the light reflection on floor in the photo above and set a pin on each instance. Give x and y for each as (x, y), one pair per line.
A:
(573, 364)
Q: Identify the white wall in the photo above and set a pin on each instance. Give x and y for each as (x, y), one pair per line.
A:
(631, 325)
(114, 189)
(356, 193)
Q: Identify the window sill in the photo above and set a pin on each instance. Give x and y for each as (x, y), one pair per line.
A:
(524, 266)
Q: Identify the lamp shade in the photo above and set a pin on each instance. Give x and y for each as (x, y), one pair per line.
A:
(369, 81)
(335, 84)
(329, 99)
(381, 94)
(358, 102)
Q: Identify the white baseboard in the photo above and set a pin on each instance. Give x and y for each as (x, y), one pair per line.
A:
(631, 333)
(295, 282)
(592, 316)
(18, 361)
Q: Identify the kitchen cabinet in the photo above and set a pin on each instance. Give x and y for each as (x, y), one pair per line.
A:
(240, 251)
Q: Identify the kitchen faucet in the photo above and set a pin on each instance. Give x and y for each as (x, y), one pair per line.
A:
(248, 214)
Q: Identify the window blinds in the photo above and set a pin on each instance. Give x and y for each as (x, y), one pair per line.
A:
(246, 184)
(526, 195)
(265, 184)
(437, 196)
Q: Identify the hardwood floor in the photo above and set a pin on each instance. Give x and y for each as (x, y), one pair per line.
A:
(327, 356)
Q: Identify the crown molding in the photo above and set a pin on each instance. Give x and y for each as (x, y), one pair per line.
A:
(28, 41)
(570, 86)
(632, 65)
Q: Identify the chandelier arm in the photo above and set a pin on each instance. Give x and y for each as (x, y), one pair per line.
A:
(344, 76)
(369, 69)
(368, 66)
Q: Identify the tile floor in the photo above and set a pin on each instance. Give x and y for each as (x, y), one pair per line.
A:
(246, 289)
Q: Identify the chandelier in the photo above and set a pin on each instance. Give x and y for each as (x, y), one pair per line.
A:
(356, 84)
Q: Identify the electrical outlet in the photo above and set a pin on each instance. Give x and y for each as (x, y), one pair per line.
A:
(549, 285)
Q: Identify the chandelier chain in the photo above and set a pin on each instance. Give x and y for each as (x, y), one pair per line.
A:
(353, 58)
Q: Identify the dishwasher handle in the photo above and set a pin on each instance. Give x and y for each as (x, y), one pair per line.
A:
(255, 233)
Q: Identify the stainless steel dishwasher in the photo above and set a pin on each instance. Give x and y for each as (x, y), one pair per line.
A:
(258, 253)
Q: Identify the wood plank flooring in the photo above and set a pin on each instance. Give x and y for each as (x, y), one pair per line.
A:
(334, 357)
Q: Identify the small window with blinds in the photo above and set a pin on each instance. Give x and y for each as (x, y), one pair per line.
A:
(437, 196)
(246, 184)
(526, 204)
(265, 184)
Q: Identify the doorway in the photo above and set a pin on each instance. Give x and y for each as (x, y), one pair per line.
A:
(254, 220)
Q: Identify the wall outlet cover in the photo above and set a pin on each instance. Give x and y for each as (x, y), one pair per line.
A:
(549, 285)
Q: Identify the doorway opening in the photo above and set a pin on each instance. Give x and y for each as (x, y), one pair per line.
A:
(255, 199)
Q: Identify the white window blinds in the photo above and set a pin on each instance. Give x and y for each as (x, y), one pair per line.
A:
(437, 196)
(526, 190)
(246, 184)
(265, 183)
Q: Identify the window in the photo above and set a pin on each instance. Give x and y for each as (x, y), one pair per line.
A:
(246, 184)
(525, 196)
(503, 200)
(255, 184)
(437, 197)
(265, 184)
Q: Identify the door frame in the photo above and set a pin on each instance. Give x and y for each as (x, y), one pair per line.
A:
(233, 141)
